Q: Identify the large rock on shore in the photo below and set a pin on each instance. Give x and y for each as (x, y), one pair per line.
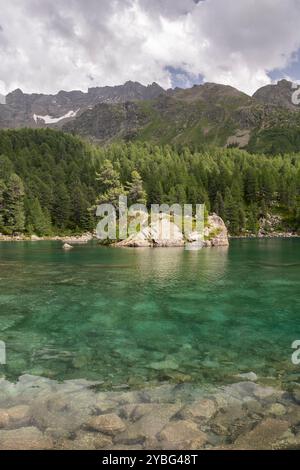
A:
(160, 233)
(165, 233)
(216, 233)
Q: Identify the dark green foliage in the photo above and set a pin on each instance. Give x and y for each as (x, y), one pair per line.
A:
(238, 186)
(54, 186)
(48, 181)
(135, 190)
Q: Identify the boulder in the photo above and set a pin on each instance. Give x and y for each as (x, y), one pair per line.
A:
(216, 233)
(160, 233)
(182, 432)
(110, 424)
(67, 247)
(265, 436)
(163, 232)
(250, 376)
(201, 410)
(149, 425)
(29, 438)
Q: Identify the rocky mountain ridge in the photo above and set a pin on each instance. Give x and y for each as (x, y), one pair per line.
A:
(204, 114)
(40, 110)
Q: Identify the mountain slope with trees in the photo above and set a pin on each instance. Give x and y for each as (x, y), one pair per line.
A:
(49, 181)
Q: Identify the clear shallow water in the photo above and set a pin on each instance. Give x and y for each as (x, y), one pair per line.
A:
(126, 316)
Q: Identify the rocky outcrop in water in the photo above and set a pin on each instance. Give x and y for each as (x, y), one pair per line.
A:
(165, 233)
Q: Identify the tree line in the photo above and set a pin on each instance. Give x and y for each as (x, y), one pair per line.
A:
(50, 182)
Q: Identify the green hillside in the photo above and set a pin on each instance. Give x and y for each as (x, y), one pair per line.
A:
(48, 182)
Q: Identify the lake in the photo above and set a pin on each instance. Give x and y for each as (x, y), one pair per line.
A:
(130, 317)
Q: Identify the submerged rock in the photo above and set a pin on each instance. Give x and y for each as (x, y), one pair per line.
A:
(67, 247)
(201, 410)
(29, 438)
(164, 365)
(110, 424)
(251, 376)
(264, 436)
(182, 432)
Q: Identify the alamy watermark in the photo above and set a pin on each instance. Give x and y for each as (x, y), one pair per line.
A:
(164, 223)
(296, 93)
(2, 353)
(296, 354)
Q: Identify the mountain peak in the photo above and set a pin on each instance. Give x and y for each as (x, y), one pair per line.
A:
(279, 94)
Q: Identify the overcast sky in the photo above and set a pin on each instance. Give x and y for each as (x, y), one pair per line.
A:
(48, 45)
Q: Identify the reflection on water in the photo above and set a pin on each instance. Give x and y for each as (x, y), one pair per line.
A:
(130, 316)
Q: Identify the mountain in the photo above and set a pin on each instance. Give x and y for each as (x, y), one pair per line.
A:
(205, 114)
(211, 114)
(39, 110)
(2, 99)
(277, 95)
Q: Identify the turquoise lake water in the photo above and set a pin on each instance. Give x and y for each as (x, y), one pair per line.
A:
(136, 316)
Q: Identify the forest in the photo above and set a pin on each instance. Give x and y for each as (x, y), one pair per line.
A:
(50, 182)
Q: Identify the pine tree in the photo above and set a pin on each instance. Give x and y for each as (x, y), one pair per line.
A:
(232, 214)
(135, 190)
(219, 206)
(37, 221)
(13, 200)
(2, 191)
(61, 207)
(110, 186)
(251, 186)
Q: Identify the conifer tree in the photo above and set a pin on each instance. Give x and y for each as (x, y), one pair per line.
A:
(135, 190)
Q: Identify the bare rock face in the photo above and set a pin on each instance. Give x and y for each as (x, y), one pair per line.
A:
(279, 94)
(216, 233)
(20, 109)
(160, 233)
(165, 233)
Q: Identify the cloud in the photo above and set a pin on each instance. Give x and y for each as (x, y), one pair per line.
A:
(46, 46)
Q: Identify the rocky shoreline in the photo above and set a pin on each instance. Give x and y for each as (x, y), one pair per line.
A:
(76, 239)
(38, 413)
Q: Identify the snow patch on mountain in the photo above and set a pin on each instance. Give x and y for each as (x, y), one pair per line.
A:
(52, 120)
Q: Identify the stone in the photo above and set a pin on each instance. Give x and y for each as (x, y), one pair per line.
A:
(29, 438)
(264, 436)
(160, 233)
(4, 419)
(164, 365)
(183, 432)
(149, 425)
(92, 441)
(110, 424)
(202, 410)
(67, 247)
(277, 409)
(19, 415)
(217, 231)
(265, 392)
(250, 376)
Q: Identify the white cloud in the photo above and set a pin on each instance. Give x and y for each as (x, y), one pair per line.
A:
(74, 44)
